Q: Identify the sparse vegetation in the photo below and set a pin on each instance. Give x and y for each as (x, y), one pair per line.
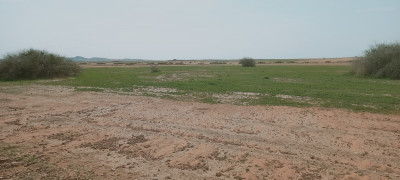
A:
(35, 64)
(163, 63)
(130, 63)
(325, 86)
(247, 62)
(218, 62)
(381, 60)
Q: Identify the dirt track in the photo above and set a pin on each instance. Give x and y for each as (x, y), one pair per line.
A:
(48, 132)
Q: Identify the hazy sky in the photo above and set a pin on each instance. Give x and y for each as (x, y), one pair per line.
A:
(201, 29)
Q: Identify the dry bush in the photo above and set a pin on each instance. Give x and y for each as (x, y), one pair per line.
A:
(154, 68)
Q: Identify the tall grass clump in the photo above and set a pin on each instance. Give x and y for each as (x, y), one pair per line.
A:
(381, 60)
(247, 62)
(35, 64)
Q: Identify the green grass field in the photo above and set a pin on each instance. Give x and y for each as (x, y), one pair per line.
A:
(302, 86)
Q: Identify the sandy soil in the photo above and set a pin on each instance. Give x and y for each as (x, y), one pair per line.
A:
(49, 132)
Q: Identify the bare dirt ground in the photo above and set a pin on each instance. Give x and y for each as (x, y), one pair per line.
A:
(49, 132)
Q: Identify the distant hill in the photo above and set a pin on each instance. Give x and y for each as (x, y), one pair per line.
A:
(81, 58)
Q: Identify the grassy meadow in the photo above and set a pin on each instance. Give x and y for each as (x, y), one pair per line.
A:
(302, 86)
(291, 85)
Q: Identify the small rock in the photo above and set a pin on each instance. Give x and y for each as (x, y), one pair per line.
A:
(155, 178)
(15, 163)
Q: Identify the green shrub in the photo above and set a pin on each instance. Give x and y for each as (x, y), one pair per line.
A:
(247, 62)
(381, 60)
(34, 64)
(154, 68)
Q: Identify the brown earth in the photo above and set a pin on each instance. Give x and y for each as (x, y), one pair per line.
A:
(49, 132)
